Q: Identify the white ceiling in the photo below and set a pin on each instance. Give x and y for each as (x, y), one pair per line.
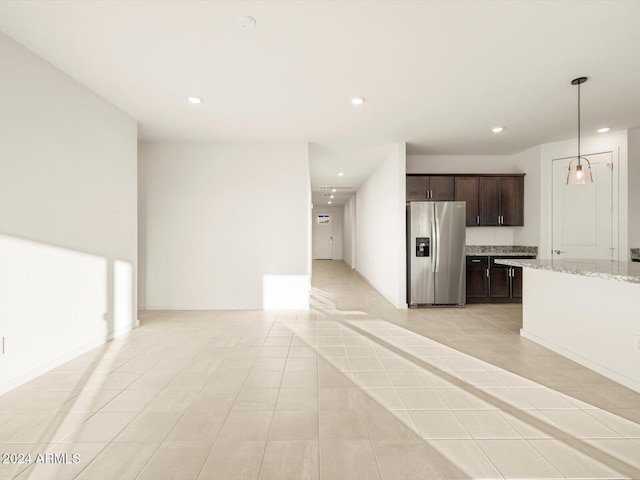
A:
(437, 75)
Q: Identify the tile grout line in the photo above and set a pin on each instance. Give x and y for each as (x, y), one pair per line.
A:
(180, 418)
(215, 442)
(366, 421)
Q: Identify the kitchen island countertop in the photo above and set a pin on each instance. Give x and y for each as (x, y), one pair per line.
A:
(606, 269)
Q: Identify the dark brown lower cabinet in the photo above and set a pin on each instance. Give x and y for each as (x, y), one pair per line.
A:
(477, 279)
(477, 283)
(516, 283)
(500, 283)
(490, 282)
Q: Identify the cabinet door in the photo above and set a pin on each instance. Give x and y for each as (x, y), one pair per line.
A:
(417, 187)
(512, 201)
(477, 284)
(466, 190)
(499, 283)
(516, 283)
(489, 200)
(441, 188)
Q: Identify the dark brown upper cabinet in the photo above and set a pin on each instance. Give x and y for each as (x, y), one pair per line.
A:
(426, 187)
(502, 201)
(417, 187)
(489, 201)
(492, 200)
(512, 201)
(441, 188)
(466, 190)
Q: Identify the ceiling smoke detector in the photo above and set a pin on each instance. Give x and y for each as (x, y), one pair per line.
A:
(246, 22)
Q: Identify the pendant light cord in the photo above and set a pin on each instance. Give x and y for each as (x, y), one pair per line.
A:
(578, 124)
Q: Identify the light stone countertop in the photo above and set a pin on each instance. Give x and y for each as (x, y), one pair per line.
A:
(606, 269)
(496, 250)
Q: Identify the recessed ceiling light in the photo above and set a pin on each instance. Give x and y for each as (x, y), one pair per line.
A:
(357, 100)
(247, 22)
(331, 196)
(329, 202)
(341, 174)
(194, 100)
(333, 189)
(604, 129)
(497, 129)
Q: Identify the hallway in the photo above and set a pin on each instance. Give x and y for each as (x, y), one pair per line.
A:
(353, 389)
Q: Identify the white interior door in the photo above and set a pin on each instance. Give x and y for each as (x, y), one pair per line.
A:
(324, 236)
(583, 215)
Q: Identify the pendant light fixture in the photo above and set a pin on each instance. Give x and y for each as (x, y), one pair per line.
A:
(578, 174)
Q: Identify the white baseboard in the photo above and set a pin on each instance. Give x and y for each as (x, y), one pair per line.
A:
(201, 307)
(56, 362)
(399, 306)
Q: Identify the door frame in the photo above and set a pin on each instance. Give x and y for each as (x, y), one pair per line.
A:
(314, 217)
(546, 237)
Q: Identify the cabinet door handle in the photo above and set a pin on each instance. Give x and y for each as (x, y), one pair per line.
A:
(475, 261)
(487, 273)
(478, 220)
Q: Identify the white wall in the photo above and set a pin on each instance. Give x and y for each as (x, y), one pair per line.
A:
(529, 162)
(336, 218)
(615, 142)
(381, 227)
(226, 225)
(634, 187)
(68, 243)
(498, 164)
(349, 232)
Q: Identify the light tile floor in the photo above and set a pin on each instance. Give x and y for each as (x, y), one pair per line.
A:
(354, 389)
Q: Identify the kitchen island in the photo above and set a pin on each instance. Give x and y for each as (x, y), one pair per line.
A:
(586, 310)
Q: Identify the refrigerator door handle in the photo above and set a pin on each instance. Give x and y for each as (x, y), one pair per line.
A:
(436, 241)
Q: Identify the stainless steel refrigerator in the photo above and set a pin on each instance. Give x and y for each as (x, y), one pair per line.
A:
(436, 253)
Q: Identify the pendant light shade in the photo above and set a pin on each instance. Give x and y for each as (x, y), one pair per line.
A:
(579, 173)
